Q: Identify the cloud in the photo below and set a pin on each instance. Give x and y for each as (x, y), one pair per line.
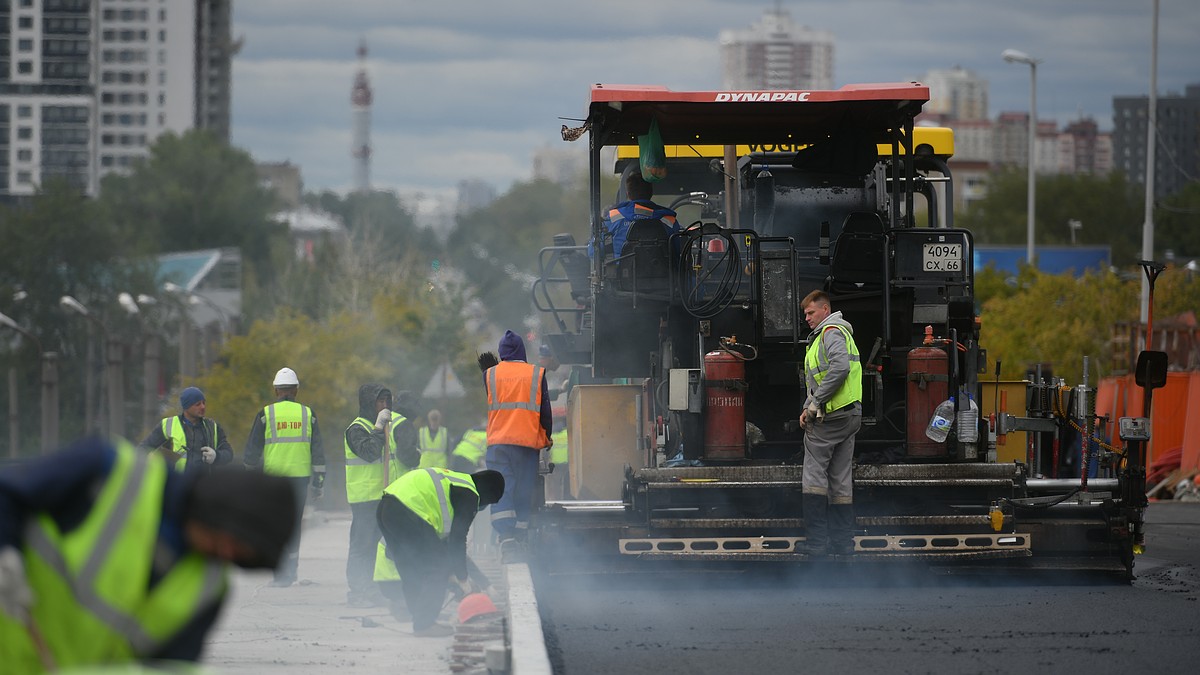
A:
(471, 91)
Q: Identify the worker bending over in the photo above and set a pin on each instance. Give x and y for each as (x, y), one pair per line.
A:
(107, 556)
(425, 516)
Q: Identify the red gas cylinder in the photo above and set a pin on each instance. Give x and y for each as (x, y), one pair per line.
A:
(724, 406)
(928, 385)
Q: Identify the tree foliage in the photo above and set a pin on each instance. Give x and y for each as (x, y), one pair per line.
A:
(497, 247)
(1109, 207)
(55, 245)
(193, 192)
(1057, 320)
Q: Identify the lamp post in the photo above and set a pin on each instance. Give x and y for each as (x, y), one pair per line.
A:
(113, 370)
(49, 389)
(187, 338)
(151, 350)
(1075, 226)
(225, 323)
(1014, 56)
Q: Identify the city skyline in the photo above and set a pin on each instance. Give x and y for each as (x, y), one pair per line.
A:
(473, 95)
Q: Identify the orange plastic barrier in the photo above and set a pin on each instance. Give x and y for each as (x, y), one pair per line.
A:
(1174, 420)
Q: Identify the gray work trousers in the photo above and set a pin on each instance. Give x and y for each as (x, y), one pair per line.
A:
(829, 456)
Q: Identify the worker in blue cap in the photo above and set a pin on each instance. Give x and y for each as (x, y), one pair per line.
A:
(190, 441)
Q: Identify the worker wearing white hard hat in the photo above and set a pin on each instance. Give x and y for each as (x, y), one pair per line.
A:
(285, 441)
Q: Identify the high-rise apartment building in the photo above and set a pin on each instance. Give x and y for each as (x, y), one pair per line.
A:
(956, 94)
(776, 53)
(1177, 153)
(87, 85)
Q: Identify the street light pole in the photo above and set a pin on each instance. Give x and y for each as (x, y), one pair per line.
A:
(1014, 56)
(49, 389)
(114, 368)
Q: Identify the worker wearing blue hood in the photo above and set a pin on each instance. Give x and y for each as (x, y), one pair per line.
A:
(519, 426)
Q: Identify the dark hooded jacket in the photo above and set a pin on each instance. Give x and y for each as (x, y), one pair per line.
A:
(405, 433)
(367, 444)
(512, 348)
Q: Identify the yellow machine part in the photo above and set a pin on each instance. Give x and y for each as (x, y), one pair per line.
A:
(603, 440)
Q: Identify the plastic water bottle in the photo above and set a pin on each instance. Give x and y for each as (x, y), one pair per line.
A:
(968, 421)
(943, 418)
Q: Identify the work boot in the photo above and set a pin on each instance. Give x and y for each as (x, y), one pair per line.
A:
(841, 529)
(816, 526)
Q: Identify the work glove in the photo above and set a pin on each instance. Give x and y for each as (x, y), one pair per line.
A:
(813, 412)
(208, 455)
(464, 587)
(318, 485)
(382, 418)
(16, 597)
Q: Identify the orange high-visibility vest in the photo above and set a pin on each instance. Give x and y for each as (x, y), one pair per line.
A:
(514, 405)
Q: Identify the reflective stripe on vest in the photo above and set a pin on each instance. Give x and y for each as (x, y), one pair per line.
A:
(287, 446)
(514, 405)
(816, 365)
(95, 603)
(430, 502)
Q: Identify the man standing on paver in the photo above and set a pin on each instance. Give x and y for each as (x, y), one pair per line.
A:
(831, 417)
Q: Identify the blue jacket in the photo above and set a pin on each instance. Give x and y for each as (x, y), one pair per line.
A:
(62, 485)
(621, 216)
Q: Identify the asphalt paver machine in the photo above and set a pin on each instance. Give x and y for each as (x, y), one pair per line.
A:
(688, 347)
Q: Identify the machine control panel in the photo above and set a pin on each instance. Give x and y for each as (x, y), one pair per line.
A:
(683, 393)
(1134, 428)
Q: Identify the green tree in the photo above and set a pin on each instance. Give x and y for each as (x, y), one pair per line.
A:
(194, 192)
(55, 245)
(1177, 222)
(1109, 207)
(497, 247)
(1057, 319)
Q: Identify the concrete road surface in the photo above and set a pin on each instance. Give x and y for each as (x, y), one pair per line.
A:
(308, 628)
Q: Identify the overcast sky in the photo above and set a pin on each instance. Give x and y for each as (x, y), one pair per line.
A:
(470, 88)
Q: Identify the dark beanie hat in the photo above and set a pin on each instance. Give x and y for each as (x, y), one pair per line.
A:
(490, 485)
(257, 509)
(190, 397)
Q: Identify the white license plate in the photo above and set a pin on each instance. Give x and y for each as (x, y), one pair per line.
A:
(937, 257)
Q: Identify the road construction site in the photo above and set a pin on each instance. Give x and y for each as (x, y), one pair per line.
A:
(820, 617)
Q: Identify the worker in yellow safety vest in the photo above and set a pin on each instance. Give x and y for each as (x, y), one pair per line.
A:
(831, 417)
(368, 441)
(189, 439)
(434, 442)
(286, 441)
(468, 455)
(558, 482)
(107, 556)
(425, 516)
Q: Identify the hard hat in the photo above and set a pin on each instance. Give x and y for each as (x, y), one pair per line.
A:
(286, 377)
(474, 606)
